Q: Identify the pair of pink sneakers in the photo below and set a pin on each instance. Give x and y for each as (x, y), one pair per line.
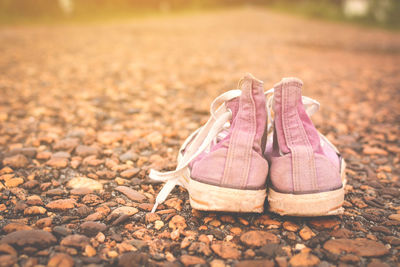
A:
(242, 153)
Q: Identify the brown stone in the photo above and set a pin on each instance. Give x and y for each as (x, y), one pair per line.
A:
(112, 254)
(43, 155)
(76, 241)
(226, 250)
(255, 263)
(360, 247)
(395, 217)
(61, 260)
(158, 225)
(56, 192)
(75, 163)
(350, 258)
(217, 263)
(12, 227)
(281, 261)
(358, 202)
(106, 174)
(90, 251)
(129, 173)
(342, 233)
(84, 182)
(66, 144)
(7, 249)
(382, 229)
(131, 194)
(121, 181)
(188, 260)
(57, 162)
(133, 258)
(215, 223)
(236, 230)
(174, 203)
(368, 150)
(45, 186)
(155, 138)
(16, 161)
(107, 138)
(92, 161)
(34, 210)
(258, 238)
(205, 239)
(125, 210)
(14, 182)
(290, 226)
(96, 216)
(377, 263)
(125, 247)
(227, 219)
(129, 155)
(61, 204)
(304, 259)
(8, 260)
(322, 224)
(30, 152)
(177, 222)
(200, 247)
(81, 191)
(186, 242)
(392, 240)
(306, 233)
(152, 217)
(44, 222)
(34, 261)
(6, 170)
(85, 151)
(34, 200)
(147, 206)
(83, 211)
(29, 238)
(267, 221)
(6, 177)
(92, 228)
(30, 184)
(91, 200)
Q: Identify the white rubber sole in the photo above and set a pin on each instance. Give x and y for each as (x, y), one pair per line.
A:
(215, 198)
(310, 205)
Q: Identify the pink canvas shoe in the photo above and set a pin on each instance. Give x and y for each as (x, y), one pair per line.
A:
(222, 164)
(306, 175)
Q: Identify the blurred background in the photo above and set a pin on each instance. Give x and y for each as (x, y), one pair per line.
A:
(383, 13)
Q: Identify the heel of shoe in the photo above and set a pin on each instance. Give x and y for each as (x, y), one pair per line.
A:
(317, 204)
(314, 204)
(210, 197)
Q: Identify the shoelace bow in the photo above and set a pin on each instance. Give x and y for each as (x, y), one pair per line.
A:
(201, 139)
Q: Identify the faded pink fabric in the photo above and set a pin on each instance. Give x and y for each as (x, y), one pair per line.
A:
(298, 162)
(237, 161)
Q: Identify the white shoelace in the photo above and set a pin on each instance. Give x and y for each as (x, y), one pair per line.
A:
(201, 140)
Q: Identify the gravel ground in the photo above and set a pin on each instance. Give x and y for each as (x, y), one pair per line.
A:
(86, 111)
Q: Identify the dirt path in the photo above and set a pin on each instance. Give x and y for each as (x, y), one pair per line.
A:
(86, 111)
